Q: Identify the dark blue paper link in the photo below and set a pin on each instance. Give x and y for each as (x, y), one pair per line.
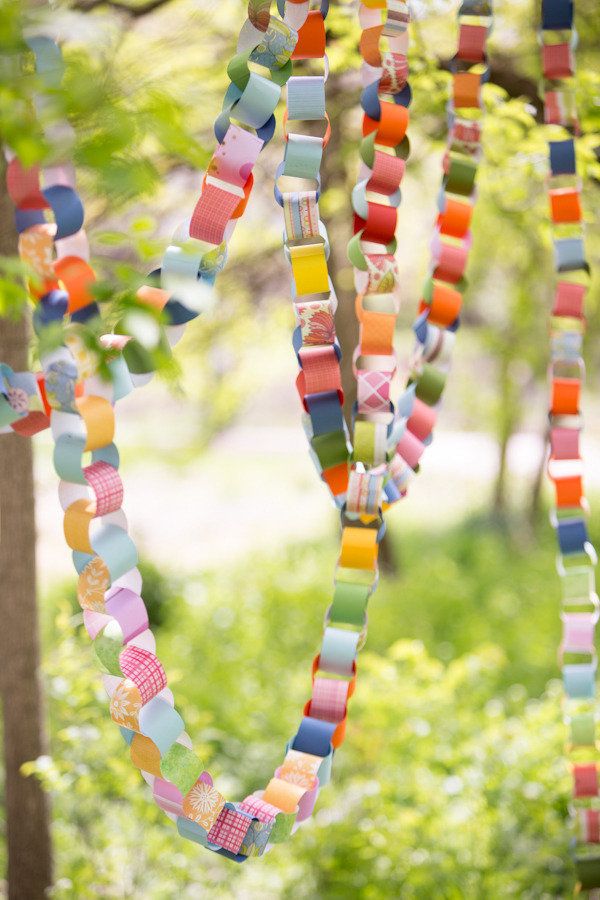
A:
(562, 157)
(314, 737)
(25, 218)
(572, 536)
(325, 412)
(557, 14)
(67, 209)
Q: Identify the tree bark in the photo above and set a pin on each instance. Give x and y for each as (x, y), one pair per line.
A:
(27, 806)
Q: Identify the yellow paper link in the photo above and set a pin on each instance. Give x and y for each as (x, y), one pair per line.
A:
(284, 795)
(145, 755)
(77, 525)
(309, 269)
(99, 419)
(359, 548)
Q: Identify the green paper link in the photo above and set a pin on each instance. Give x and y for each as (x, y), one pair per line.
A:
(331, 449)
(349, 604)
(588, 870)
(461, 175)
(108, 650)
(430, 384)
(282, 827)
(181, 767)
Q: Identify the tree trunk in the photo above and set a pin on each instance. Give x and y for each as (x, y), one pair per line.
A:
(27, 806)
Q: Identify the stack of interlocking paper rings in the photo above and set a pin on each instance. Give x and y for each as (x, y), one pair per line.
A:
(365, 470)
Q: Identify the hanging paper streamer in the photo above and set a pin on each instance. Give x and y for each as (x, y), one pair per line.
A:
(577, 557)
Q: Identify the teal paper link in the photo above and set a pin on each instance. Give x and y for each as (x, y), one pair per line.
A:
(161, 723)
(303, 157)
(108, 454)
(338, 650)
(121, 379)
(116, 549)
(68, 455)
(580, 681)
(306, 98)
(49, 63)
(192, 831)
(253, 106)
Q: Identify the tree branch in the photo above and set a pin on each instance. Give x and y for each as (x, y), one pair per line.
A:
(134, 12)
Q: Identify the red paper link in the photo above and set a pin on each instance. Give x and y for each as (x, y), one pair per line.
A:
(23, 186)
(471, 43)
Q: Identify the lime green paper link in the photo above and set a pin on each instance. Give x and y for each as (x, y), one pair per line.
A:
(282, 827)
(107, 650)
(181, 767)
(239, 71)
(331, 449)
(430, 384)
(583, 730)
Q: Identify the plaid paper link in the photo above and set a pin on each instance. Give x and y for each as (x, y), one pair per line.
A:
(107, 486)
(316, 322)
(373, 391)
(329, 699)
(387, 173)
(230, 829)
(258, 809)
(145, 670)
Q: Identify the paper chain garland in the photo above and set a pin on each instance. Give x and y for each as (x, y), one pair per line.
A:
(577, 557)
(110, 586)
(96, 528)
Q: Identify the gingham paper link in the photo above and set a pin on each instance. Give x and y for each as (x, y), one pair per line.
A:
(577, 557)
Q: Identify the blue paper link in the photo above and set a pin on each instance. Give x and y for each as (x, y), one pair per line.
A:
(562, 157)
(325, 412)
(67, 209)
(314, 737)
(572, 536)
(557, 14)
(306, 98)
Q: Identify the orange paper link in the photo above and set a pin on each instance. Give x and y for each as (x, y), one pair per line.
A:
(391, 127)
(565, 396)
(78, 277)
(565, 206)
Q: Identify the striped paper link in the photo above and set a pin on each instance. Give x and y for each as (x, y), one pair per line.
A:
(301, 215)
(577, 558)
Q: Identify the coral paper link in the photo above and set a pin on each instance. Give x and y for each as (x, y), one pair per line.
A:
(576, 557)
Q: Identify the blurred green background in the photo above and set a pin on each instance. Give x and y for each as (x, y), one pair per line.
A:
(451, 782)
